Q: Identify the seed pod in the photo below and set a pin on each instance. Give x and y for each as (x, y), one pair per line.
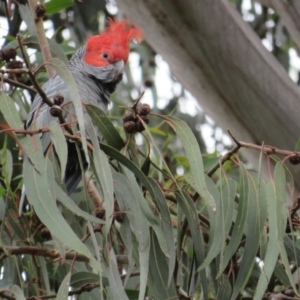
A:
(14, 64)
(40, 10)
(55, 111)
(8, 54)
(148, 83)
(295, 159)
(146, 109)
(129, 126)
(128, 117)
(145, 118)
(58, 99)
(143, 109)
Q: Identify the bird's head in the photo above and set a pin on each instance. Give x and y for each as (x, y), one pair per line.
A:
(108, 52)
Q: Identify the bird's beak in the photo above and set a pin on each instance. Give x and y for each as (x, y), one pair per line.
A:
(119, 66)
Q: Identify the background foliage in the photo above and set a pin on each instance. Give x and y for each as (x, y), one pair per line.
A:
(176, 223)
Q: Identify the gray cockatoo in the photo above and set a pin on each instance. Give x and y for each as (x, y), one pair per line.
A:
(97, 68)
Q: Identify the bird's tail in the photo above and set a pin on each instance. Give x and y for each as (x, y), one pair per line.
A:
(76, 166)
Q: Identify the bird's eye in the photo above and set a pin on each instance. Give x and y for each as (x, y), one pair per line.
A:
(105, 55)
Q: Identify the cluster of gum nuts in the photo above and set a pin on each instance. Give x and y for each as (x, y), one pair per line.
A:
(132, 120)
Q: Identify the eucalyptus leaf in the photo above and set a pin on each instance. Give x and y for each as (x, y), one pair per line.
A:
(63, 290)
(66, 75)
(60, 146)
(106, 127)
(54, 6)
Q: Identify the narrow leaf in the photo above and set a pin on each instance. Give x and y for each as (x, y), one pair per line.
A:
(66, 75)
(272, 248)
(188, 207)
(81, 278)
(281, 215)
(55, 49)
(128, 164)
(240, 221)
(64, 199)
(115, 289)
(158, 274)
(12, 117)
(216, 218)
(60, 146)
(166, 226)
(256, 217)
(62, 293)
(193, 154)
(18, 293)
(103, 175)
(129, 203)
(55, 6)
(39, 195)
(105, 126)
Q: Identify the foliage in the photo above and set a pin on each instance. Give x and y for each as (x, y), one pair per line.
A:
(216, 231)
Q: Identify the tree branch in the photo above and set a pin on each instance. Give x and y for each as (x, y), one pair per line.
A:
(14, 71)
(17, 84)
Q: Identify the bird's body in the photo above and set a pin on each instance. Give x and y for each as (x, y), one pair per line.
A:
(97, 68)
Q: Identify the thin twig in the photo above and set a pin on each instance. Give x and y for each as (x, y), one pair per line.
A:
(15, 71)
(266, 149)
(41, 92)
(224, 158)
(18, 84)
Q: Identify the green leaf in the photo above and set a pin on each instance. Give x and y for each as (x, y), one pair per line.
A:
(115, 289)
(256, 217)
(292, 251)
(83, 277)
(28, 18)
(272, 248)
(158, 274)
(280, 273)
(240, 221)
(18, 293)
(39, 195)
(224, 288)
(193, 154)
(12, 117)
(128, 164)
(167, 227)
(66, 75)
(216, 236)
(103, 174)
(64, 199)
(56, 50)
(55, 6)
(227, 194)
(60, 146)
(6, 161)
(9, 111)
(106, 127)
(297, 147)
(128, 202)
(152, 219)
(277, 224)
(188, 207)
(62, 293)
(281, 216)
